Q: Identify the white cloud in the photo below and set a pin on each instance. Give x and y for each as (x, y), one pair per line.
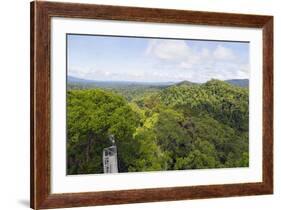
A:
(178, 50)
(172, 60)
(198, 64)
(223, 53)
(80, 72)
(175, 52)
(172, 50)
(186, 65)
(205, 53)
(245, 68)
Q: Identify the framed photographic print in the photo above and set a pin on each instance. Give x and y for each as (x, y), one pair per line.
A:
(140, 105)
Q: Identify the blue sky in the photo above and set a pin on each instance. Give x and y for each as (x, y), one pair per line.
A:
(109, 58)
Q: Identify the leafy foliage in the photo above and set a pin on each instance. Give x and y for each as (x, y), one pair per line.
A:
(178, 127)
(91, 116)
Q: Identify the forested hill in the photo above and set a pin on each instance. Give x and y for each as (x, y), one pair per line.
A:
(174, 127)
(223, 101)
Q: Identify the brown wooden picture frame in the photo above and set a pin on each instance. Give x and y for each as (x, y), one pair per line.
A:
(41, 14)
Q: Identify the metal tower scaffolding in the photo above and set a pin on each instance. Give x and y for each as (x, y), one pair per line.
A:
(110, 163)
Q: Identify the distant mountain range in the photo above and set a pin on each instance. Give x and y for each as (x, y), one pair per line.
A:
(112, 84)
(239, 82)
(72, 79)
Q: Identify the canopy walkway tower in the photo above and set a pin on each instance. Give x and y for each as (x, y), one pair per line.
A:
(110, 163)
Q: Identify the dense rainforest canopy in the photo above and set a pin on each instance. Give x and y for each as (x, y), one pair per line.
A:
(173, 127)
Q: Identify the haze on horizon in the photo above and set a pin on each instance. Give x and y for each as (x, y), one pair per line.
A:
(109, 58)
